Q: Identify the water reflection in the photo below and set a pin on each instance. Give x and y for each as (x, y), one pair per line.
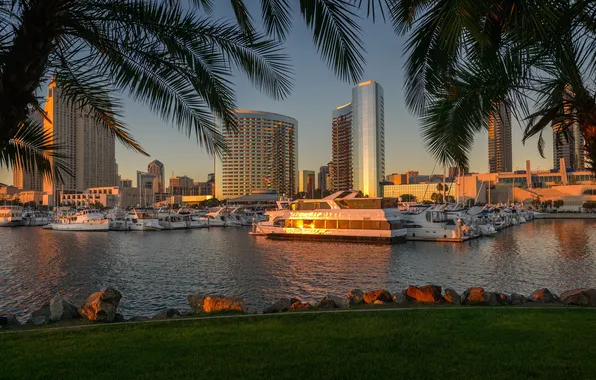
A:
(155, 270)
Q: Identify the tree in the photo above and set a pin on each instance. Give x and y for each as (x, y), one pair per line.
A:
(536, 202)
(173, 57)
(408, 198)
(469, 59)
(558, 203)
(440, 187)
(450, 199)
(437, 197)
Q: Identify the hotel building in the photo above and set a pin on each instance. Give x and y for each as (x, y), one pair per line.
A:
(306, 182)
(89, 148)
(358, 141)
(500, 151)
(156, 168)
(262, 154)
(323, 178)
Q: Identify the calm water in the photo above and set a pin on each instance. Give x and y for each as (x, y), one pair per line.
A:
(154, 270)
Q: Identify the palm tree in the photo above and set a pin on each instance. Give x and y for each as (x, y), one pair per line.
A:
(170, 55)
(467, 57)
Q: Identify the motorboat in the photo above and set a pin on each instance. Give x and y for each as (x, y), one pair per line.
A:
(11, 216)
(35, 218)
(82, 220)
(431, 223)
(170, 220)
(144, 220)
(196, 220)
(341, 216)
(220, 217)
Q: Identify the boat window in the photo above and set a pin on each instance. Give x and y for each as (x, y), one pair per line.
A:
(319, 223)
(344, 224)
(361, 203)
(356, 224)
(308, 223)
(450, 222)
(331, 224)
(324, 206)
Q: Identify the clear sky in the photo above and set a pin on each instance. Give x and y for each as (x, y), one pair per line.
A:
(316, 93)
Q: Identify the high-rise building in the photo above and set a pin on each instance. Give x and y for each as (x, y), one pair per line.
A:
(306, 182)
(341, 172)
(126, 183)
(27, 180)
(89, 148)
(181, 185)
(146, 188)
(358, 141)
(156, 168)
(500, 152)
(397, 179)
(262, 154)
(322, 178)
(568, 146)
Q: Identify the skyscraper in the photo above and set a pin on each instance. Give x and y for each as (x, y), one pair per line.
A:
(569, 148)
(156, 168)
(358, 141)
(25, 180)
(322, 178)
(263, 154)
(500, 152)
(306, 182)
(89, 148)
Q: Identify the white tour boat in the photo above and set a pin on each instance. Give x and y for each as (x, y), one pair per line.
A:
(11, 216)
(35, 218)
(335, 218)
(83, 220)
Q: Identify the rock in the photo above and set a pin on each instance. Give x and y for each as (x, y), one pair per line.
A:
(101, 306)
(381, 295)
(473, 296)
(379, 302)
(208, 304)
(9, 319)
(518, 299)
(490, 299)
(300, 306)
(425, 294)
(282, 305)
(166, 313)
(293, 299)
(579, 297)
(503, 299)
(355, 297)
(61, 309)
(42, 311)
(331, 302)
(138, 318)
(543, 296)
(400, 298)
(40, 320)
(451, 296)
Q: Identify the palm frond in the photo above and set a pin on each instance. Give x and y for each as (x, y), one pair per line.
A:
(34, 149)
(243, 17)
(277, 18)
(336, 35)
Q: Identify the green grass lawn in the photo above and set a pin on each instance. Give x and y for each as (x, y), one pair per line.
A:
(471, 343)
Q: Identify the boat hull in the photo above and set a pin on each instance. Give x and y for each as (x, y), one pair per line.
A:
(8, 222)
(336, 235)
(91, 226)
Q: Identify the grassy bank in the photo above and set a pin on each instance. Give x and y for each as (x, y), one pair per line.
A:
(486, 343)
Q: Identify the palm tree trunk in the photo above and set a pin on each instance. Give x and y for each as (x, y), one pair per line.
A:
(26, 62)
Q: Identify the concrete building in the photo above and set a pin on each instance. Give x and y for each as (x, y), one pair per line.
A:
(89, 149)
(146, 188)
(125, 182)
(263, 154)
(106, 196)
(26, 180)
(156, 168)
(500, 150)
(181, 185)
(306, 182)
(323, 178)
(358, 141)
(31, 196)
(398, 179)
(568, 147)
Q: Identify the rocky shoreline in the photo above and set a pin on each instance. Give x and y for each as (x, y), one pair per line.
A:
(102, 306)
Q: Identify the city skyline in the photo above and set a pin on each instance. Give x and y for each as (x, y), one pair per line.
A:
(316, 91)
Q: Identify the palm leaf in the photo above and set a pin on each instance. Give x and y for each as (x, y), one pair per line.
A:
(277, 18)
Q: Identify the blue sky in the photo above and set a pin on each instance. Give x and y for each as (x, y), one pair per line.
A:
(316, 93)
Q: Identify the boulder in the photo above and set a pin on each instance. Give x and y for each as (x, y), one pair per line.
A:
(425, 294)
(331, 302)
(452, 296)
(381, 295)
(166, 314)
(300, 306)
(138, 318)
(9, 319)
(579, 297)
(355, 297)
(61, 309)
(208, 304)
(473, 296)
(400, 298)
(518, 299)
(503, 299)
(40, 320)
(379, 302)
(101, 306)
(543, 296)
(490, 299)
(282, 305)
(42, 311)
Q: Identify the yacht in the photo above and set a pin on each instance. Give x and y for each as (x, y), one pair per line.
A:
(338, 217)
(144, 220)
(431, 223)
(35, 218)
(11, 216)
(220, 217)
(83, 220)
(195, 219)
(170, 220)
